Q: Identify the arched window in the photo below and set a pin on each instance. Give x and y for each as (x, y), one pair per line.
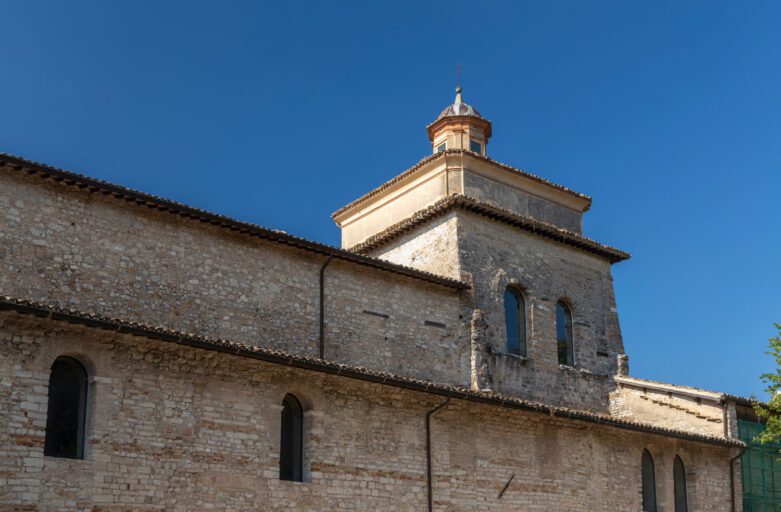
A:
(66, 412)
(564, 334)
(515, 321)
(291, 449)
(649, 483)
(679, 478)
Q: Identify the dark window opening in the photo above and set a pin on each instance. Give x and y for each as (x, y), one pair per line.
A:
(515, 321)
(649, 483)
(441, 147)
(66, 412)
(679, 478)
(475, 146)
(564, 335)
(291, 449)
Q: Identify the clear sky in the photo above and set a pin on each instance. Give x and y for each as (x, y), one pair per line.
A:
(668, 113)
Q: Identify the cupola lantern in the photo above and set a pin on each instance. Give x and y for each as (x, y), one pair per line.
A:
(459, 126)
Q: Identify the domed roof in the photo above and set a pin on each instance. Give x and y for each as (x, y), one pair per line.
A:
(459, 108)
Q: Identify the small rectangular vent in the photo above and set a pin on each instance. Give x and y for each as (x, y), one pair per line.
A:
(603, 354)
(374, 313)
(431, 323)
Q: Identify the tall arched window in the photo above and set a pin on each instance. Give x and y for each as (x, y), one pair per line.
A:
(66, 412)
(649, 483)
(291, 449)
(564, 334)
(515, 321)
(679, 478)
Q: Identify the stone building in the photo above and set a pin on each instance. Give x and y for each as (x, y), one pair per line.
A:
(461, 351)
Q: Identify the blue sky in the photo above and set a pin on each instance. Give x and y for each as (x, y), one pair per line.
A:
(668, 113)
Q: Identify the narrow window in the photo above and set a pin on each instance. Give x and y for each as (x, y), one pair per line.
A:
(475, 146)
(679, 477)
(564, 334)
(442, 147)
(649, 483)
(291, 450)
(515, 321)
(66, 412)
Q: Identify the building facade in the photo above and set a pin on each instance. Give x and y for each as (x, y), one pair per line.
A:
(460, 351)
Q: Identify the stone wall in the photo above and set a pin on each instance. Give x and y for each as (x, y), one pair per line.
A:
(432, 247)
(490, 256)
(66, 246)
(176, 428)
(679, 410)
(496, 255)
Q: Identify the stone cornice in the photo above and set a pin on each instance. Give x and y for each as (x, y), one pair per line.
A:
(339, 214)
(465, 203)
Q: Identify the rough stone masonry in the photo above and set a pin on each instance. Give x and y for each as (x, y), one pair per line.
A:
(192, 327)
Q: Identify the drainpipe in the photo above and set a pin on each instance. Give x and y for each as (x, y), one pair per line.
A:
(725, 420)
(322, 306)
(732, 477)
(428, 452)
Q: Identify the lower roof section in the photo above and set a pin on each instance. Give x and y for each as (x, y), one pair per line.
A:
(462, 202)
(47, 172)
(121, 326)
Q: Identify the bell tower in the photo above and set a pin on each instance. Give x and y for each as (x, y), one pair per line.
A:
(502, 230)
(459, 126)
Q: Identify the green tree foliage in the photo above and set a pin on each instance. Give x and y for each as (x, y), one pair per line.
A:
(770, 412)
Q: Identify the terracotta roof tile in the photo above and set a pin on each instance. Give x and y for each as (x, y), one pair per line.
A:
(354, 372)
(735, 398)
(506, 216)
(149, 200)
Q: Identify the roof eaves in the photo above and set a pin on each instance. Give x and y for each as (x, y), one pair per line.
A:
(745, 400)
(442, 154)
(470, 204)
(321, 365)
(141, 198)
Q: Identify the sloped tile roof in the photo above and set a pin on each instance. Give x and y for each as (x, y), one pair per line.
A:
(148, 200)
(312, 363)
(458, 201)
(442, 154)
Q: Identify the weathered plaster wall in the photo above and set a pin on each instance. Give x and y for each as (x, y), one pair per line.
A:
(399, 202)
(90, 252)
(510, 198)
(176, 428)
